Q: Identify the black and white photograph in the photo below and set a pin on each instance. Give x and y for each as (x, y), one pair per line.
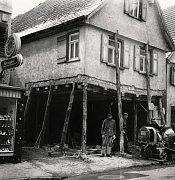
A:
(87, 89)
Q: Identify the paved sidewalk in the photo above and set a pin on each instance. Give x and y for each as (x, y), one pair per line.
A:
(36, 165)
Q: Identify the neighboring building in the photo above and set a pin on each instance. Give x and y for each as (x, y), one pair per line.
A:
(11, 98)
(169, 15)
(69, 41)
(5, 23)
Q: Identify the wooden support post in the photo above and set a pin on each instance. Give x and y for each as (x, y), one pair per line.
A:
(161, 112)
(119, 101)
(84, 127)
(67, 117)
(148, 83)
(135, 122)
(40, 139)
(28, 102)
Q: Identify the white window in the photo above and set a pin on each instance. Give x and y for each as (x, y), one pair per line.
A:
(108, 50)
(142, 61)
(74, 46)
(136, 8)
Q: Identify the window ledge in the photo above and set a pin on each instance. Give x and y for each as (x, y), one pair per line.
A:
(114, 66)
(135, 17)
(140, 72)
(69, 61)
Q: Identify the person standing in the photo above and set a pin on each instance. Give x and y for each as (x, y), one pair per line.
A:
(125, 117)
(108, 131)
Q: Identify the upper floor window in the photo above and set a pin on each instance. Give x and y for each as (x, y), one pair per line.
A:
(73, 46)
(68, 47)
(172, 75)
(140, 60)
(108, 51)
(136, 9)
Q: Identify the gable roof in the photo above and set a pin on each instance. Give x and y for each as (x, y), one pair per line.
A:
(52, 13)
(169, 14)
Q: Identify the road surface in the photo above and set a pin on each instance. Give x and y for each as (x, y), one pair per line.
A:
(162, 172)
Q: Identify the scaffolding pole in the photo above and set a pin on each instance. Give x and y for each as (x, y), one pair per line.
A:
(148, 83)
(66, 122)
(119, 101)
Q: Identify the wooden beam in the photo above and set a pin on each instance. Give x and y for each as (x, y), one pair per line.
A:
(119, 101)
(135, 122)
(28, 102)
(67, 117)
(40, 139)
(161, 111)
(148, 83)
(84, 127)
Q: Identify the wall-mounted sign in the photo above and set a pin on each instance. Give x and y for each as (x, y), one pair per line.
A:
(13, 45)
(12, 62)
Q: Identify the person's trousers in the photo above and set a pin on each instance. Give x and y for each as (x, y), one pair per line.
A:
(125, 142)
(106, 145)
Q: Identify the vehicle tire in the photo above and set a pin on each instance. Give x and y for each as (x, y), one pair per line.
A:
(163, 155)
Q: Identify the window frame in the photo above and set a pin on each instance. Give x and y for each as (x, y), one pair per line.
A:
(141, 9)
(132, 10)
(120, 51)
(74, 42)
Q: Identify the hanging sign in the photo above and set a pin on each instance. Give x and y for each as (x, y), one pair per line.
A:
(12, 62)
(13, 45)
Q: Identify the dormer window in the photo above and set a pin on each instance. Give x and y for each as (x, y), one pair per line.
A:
(136, 9)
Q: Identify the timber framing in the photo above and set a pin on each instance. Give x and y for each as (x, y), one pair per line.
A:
(94, 84)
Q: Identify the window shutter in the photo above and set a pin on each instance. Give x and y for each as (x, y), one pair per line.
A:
(131, 53)
(154, 63)
(126, 56)
(104, 48)
(136, 58)
(172, 71)
(61, 49)
(126, 6)
(144, 10)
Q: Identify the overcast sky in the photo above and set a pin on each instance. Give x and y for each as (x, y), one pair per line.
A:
(21, 6)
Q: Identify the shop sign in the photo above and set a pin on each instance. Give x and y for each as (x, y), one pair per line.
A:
(13, 45)
(12, 62)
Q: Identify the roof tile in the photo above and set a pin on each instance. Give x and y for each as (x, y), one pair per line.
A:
(52, 13)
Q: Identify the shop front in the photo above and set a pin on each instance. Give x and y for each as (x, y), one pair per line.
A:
(11, 123)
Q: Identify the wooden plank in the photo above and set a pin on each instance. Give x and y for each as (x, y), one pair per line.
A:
(40, 139)
(135, 122)
(66, 122)
(28, 102)
(84, 127)
(148, 83)
(119, 95)
(161, 111)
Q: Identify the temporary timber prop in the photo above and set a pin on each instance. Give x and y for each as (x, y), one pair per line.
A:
(66, 122)
(84, 127)
(119, 94)
(135, 122)
(40, 139)
(161, 111)
(28, 102)
(148, 83)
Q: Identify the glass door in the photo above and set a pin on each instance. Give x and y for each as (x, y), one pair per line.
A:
(7, 125)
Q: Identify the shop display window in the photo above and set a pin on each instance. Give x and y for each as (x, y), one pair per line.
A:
(7, 124)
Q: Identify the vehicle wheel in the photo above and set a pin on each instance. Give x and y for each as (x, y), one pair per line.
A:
(163, 155)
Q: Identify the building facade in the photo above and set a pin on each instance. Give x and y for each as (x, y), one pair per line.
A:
(170, 107)
(75, 43)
